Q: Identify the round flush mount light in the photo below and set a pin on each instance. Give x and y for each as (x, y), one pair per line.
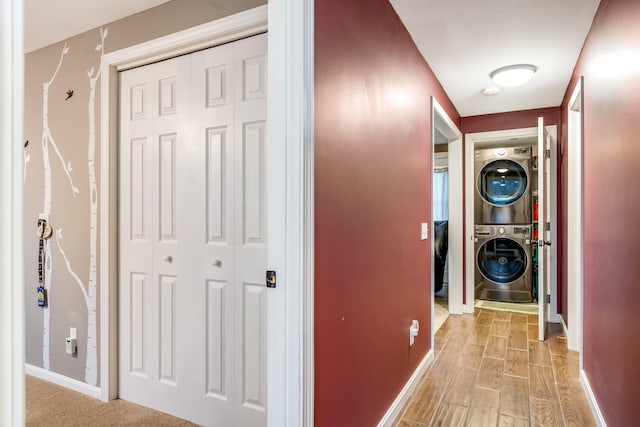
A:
(513, 75)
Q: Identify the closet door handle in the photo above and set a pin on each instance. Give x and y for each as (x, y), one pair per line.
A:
(168, 259)
(217, 263)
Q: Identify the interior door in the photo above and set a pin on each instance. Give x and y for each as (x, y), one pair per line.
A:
(229, 119)
(193, 235)
(151, 241)
(544, 227)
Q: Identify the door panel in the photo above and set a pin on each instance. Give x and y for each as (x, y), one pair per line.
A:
(544, 253)
(139, 289)
(216, 185)
(193, 235)
(151, 130)
(217, 306)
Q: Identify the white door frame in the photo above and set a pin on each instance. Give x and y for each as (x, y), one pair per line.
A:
(442, 123)
(289, 186)
(477, 139)
(12, 289)
(575, 211)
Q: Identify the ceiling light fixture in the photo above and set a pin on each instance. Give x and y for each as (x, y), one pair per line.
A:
(513, 75)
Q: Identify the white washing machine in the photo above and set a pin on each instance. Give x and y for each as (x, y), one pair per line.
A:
(503, 262)
(503, 185)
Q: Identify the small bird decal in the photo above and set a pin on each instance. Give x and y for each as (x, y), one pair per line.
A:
(69, 94)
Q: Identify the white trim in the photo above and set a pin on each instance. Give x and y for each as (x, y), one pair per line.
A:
(478, 139)
(223, 30)
(407, 391)
(564, 326)
(442, 122)
(575, 211)
(12, 285)
(308, 352)
(64, 381)
(290, 213)
(595, 408)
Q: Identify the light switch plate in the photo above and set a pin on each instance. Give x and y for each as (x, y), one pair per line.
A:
(424, 231)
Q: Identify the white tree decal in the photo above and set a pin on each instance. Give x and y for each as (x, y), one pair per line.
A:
(47, 141)
(90, 291)
(25, 157)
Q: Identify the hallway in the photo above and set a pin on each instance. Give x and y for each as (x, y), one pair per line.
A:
(489, 369)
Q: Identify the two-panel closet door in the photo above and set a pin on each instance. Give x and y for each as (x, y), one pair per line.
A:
(192, 259)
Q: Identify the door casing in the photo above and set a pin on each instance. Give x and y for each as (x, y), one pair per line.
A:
(290, 40)
(443, 123)
(575, 264)
(478, 140)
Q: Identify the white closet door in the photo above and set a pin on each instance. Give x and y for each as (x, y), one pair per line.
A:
(153, 105)
(230, 121)
(193, 243)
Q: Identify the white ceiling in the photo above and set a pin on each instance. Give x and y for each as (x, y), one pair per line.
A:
(464, 40)
(48, 21)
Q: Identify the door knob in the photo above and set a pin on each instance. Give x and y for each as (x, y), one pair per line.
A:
(217, 263)
(168, 258)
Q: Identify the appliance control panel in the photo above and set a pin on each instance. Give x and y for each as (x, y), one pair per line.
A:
(512, 231)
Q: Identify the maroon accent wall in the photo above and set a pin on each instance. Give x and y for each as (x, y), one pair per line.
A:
(510, 120)
(525, 119)
(372, 191)
(610, 65)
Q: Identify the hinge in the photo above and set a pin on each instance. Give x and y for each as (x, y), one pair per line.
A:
(547, 226)
(547, 154)
(547, 298)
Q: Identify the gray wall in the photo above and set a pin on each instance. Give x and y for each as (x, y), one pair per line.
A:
(69, 126)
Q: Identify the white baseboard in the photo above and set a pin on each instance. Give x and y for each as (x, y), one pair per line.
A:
(597, 414)
(63, 381)
(394, 410)
(565, 330)
(555, 318)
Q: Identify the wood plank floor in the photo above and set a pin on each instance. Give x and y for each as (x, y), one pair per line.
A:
(490, 370)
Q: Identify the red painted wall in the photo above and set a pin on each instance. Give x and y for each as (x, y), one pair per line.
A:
(511, 120)
(526, 119)
(373, 189)
(610, 64)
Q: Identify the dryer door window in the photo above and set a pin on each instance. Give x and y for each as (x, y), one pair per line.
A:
(502, 260)
(502, 182)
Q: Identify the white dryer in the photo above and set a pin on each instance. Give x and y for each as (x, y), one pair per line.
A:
(503, 185)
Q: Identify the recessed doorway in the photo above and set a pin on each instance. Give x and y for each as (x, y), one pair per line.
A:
(447, 218)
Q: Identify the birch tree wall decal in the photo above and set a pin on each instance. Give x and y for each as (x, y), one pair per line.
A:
(26, 157)
(47, 141)
(90, 290)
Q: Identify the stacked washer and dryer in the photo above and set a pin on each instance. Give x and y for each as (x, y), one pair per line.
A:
(503, 224)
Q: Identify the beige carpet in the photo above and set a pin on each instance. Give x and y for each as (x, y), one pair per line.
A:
(54, 406)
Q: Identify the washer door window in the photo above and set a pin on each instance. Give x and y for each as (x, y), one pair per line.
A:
(502, 260)
(502, 182)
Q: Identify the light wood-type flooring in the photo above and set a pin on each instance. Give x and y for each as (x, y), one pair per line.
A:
(490, 369)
